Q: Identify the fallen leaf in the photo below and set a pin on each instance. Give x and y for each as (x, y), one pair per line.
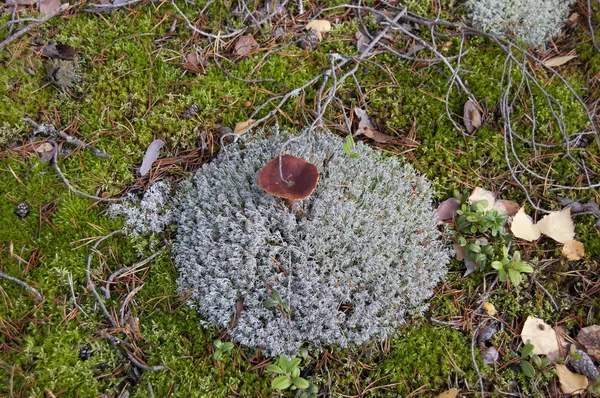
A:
(522, 227)
(47, 6)
(558, 225)
(45, 151)
(241, 126)
(507, 207)
(320, 25)
(451, 393)
(570, 382)
(480, 194)
(573, 250)
(558, 61)
(489, 308)
(367, 128)
(151, 155)
(52, 50)
(447, 209)
(540, 335)
(471, 116)
(245, 45)
(573, 17)
(459, 252)
(471, 267)
(489, 355)
(589, 337)
(196, 63)
(362, 41)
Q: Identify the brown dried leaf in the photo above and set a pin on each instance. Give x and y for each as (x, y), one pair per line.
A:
(558, 61)
(459, 252)
(61, 51)
(589, 337)
(506, 207)
(241, 126)
(570, 382)
(472, 116)
(447, 209)
(362, 41)
(45, 151)
(573, 250)
(451, 393)
(367, 128)
(196, 63)
(47, 6)
(245, 45)
(320, 25)
(489, 308)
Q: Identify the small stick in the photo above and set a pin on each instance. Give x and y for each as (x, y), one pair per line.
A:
(32, 25)
(24, 285)
(49, 131)
(123, 270)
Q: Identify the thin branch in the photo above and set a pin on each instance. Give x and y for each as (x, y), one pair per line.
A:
(62, 8)
(24, 285)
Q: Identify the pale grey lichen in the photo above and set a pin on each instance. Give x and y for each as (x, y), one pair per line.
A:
(351, 262)
(534, 22)
(150, 214)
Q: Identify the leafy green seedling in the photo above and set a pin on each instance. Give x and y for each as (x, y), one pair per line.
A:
(474, 219)
(528, 368)
(275, 301)
(348, 147)
(221, 348)
(478, 251)
(511, 267)
(289, 374)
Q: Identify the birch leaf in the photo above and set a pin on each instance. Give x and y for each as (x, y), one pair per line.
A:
(471, 116)
(47, 6)
(506, 207)
(523, 227)
(151, 155)
(451, 393)
(558, 225)
(241, 126)
(570, 382)
(558, 61)
(480, 194)
(573, 250)
(245, 45)
(320, 25)
(540, 335)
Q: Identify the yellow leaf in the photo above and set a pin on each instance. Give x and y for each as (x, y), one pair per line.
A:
(540, 335)
(480, 194)
(558, 61)
(573, 250)
(451, 393)
(241, 126)
(522, 227)
(558, 225)
(320, 25)
(570, 382)
(489, 308)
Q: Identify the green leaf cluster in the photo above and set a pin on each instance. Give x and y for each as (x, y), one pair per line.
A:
(221, 348)
(530, 362)
(348, 148)
(288, 371)
(512, 267)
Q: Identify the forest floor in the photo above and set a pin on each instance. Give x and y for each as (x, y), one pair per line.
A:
(86, 88)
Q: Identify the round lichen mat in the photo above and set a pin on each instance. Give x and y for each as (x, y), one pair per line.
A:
(344, 266)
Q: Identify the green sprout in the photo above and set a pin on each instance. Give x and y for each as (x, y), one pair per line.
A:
(289, 374)
(221, 348)
(511, 267)
(348, 147)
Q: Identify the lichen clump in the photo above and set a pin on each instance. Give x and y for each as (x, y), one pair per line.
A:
(344, 266)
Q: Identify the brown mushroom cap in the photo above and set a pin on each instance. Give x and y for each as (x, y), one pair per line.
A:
(302, 175)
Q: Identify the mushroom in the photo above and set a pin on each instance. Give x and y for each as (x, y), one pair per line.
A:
(299, 178)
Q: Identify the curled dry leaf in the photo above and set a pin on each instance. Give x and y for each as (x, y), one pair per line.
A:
(489, 308)
(451, 393)
(523, 227)
(241, 126)
(459, 252)
(480, 194)
(573, 250)
(245, 45)
(45, 151)
(61, 51)
(570, 382)
(152, 153)
(367, 128)
(489, 355)
(507, 207)
(558, 61)
(320, 25)
(362, 41)
(540, 335)
(558, 225)
(589, 337)
(447, 209)
(196, 63)
(471, 116)
(47, 6)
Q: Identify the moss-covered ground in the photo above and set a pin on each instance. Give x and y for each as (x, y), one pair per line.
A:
(133, 85)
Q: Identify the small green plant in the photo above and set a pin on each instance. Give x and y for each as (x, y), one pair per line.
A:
(530, 362)
(475, 219)
(221, 349)
(479, 251)
(348, 147)
(289, 374)
(275, 301)
(512, 267)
